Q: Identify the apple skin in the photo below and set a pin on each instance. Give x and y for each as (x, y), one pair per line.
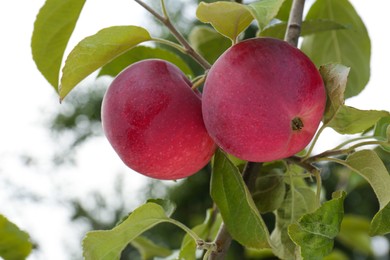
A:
(254, 94)
(153, 120)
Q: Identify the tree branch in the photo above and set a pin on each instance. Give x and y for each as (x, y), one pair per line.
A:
(294, 22)
(222, 241)
(304, 164)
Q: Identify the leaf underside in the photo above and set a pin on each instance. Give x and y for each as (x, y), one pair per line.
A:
(368, 164)
(228, 18)
(315, 232)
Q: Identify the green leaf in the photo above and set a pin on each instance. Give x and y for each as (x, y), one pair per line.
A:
(168, 206)
(148, 249)
(315, 232)
(207, 230)
(382, 131)
(335, 78)
(320, 25)
(97, 50)
(298, 201)
(278, 30)
(354, 234)
(235, 203)
(209, 43)
(349, 47)
(388, 133)
(336, 255)
(228, 18)
(141, 53)
(368, 164)
(270, 190)
(344, 119)
(380, 224)
(239, 163)
(14, 243)
(265, 253)
(349, 120)
(108, 244)
(52, 29)
(284, 11)
(264, 11)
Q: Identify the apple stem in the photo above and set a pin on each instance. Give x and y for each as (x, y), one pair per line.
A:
(179, 37)
(198, 82)
(294, 22)
(317, 135)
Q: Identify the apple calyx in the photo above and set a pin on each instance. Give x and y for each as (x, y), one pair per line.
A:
(297, 124)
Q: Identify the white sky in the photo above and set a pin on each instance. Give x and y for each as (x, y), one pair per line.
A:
(26, 96)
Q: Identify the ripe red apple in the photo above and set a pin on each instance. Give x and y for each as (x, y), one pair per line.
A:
(263, 100)
(153, 120)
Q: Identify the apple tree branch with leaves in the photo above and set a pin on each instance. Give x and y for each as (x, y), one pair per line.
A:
(254, 114)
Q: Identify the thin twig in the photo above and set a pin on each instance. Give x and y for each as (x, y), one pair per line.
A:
(150, 10)
(339, 152)
(294, 22)
(179, 37)
(329, 153)
(304, 164)
(196, 84)
(317, 135)
(351, 141)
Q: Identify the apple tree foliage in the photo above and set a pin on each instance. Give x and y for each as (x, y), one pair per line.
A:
(14, 243)
(306, 223)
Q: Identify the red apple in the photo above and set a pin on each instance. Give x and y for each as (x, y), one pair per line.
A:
(263, 100)
(153, 120)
